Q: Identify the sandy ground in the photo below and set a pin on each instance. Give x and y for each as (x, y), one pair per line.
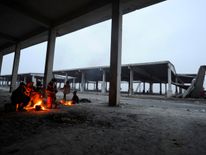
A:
(139, 125)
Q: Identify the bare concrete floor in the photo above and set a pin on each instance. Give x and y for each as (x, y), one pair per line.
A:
(137, 126)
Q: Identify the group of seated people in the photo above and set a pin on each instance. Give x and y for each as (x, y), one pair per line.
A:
(22, 95)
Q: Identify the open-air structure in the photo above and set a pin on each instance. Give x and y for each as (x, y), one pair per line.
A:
(26, 23)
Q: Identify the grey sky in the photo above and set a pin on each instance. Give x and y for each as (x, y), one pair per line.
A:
(173, 30)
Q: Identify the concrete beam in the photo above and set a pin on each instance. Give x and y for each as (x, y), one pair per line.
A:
(27, 13)
(160, 88)
(8, 37)
(82, 82)
(103, 81)
(115, 54)
(73, 84)
(66, 78)
(131, 77)
(1, 58)
(169, 91)
(49, 57)
(15, 68)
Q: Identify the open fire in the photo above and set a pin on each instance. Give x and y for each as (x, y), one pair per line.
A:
(67, 103)
(36, 102)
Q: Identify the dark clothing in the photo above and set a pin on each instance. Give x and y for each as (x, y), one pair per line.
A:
(75, 99)
(51, 94)
(18, 96)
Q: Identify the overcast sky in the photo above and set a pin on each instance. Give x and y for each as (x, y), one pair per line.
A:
(174, 30)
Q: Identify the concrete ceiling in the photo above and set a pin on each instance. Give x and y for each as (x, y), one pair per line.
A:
(27, 21)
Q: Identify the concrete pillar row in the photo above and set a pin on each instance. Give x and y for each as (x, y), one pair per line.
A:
(131, 77)
(115, 54)
(49, 57)
(103, 81)
(15, 67)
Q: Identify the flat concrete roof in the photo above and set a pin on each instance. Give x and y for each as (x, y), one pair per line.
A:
(154, 72)
(27, 22)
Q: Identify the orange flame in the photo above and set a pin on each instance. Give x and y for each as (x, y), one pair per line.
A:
(36, 100)
(67, 103)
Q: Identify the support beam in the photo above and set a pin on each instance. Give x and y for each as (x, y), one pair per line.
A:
(82, 82)
(144, 88)
(103, 82)
(27, 13)
(151, 87)
(15, 67)
(49, 57)
(73, 84)
(66, 78)
(8, 37)
(169, 91)
(1, 58)
(131, 77)
(97, 84)
(160, 88)
(115, 54)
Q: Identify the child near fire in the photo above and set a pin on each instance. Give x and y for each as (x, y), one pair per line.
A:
(75, 98)
(66, 90)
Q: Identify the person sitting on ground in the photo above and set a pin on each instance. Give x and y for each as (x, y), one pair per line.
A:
(75, 98)
(19, 97)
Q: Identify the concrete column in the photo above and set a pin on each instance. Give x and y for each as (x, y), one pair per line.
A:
(106, 86)
(66, 78)
(15, 67)
(160, 88)
(151, 87)
(165, 88)
(180, 90)
(131, 76)
(169, 91)
(73, 84)
(115, 54)
(33, 80)
(49, 57)
(79, 86)
(103, 81)
(143, 87)
(176, 88)
(7, 82)
(87, 85)
(97, 86)
(82, 82)
(1, 58)
(94, 86)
